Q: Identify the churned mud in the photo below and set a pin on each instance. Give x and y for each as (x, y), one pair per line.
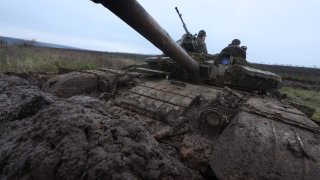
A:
(51, 130)
(46, 137)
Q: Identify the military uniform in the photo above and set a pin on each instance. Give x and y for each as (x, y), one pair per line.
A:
(199, 46)
(235, 51)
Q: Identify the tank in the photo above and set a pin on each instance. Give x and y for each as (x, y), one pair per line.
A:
(221, 69)
(214, 132)
(218, 70)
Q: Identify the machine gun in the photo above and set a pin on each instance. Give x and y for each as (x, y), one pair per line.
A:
(184, 25)
(187, 40)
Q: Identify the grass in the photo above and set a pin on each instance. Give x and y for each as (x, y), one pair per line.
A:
(304, 97)
(37, 59)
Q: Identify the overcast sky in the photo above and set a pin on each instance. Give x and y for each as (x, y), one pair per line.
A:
(275, 31)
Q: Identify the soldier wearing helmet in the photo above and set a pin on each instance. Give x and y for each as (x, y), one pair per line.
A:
(235, 50)
(244, 48)
(199, 45)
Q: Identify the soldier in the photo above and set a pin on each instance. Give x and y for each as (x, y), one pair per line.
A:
(199, 45)
(234, 49)
(244, 48)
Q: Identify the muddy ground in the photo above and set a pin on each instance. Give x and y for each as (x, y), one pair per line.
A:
(83, 135)
(46, 137)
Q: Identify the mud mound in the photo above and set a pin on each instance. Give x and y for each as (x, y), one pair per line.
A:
(87, 82)
(67, 85)
(34, 78)
(19, 99)
(62, 139)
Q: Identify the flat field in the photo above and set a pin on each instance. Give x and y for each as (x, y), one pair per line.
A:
(37, 59)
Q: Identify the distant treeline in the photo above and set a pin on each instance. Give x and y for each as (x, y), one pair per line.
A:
(138, 57)
(8, 41)
(306, 74)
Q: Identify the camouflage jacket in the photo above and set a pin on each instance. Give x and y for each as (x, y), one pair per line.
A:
(235, 51)
(199, 46)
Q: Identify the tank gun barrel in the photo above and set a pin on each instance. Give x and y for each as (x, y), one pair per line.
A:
(132, 13)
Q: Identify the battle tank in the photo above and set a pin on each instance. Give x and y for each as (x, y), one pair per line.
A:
(219, 132)
(220, 69)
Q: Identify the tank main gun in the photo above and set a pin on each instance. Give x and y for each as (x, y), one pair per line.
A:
(183, 24)
(132, 13)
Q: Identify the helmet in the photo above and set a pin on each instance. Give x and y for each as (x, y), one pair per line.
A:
(236, 42)
(201, 33)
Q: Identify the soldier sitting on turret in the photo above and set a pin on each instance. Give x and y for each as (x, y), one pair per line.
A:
(234, 49)
(199, 45)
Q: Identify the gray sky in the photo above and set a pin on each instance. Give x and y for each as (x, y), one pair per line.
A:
(275, 31)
